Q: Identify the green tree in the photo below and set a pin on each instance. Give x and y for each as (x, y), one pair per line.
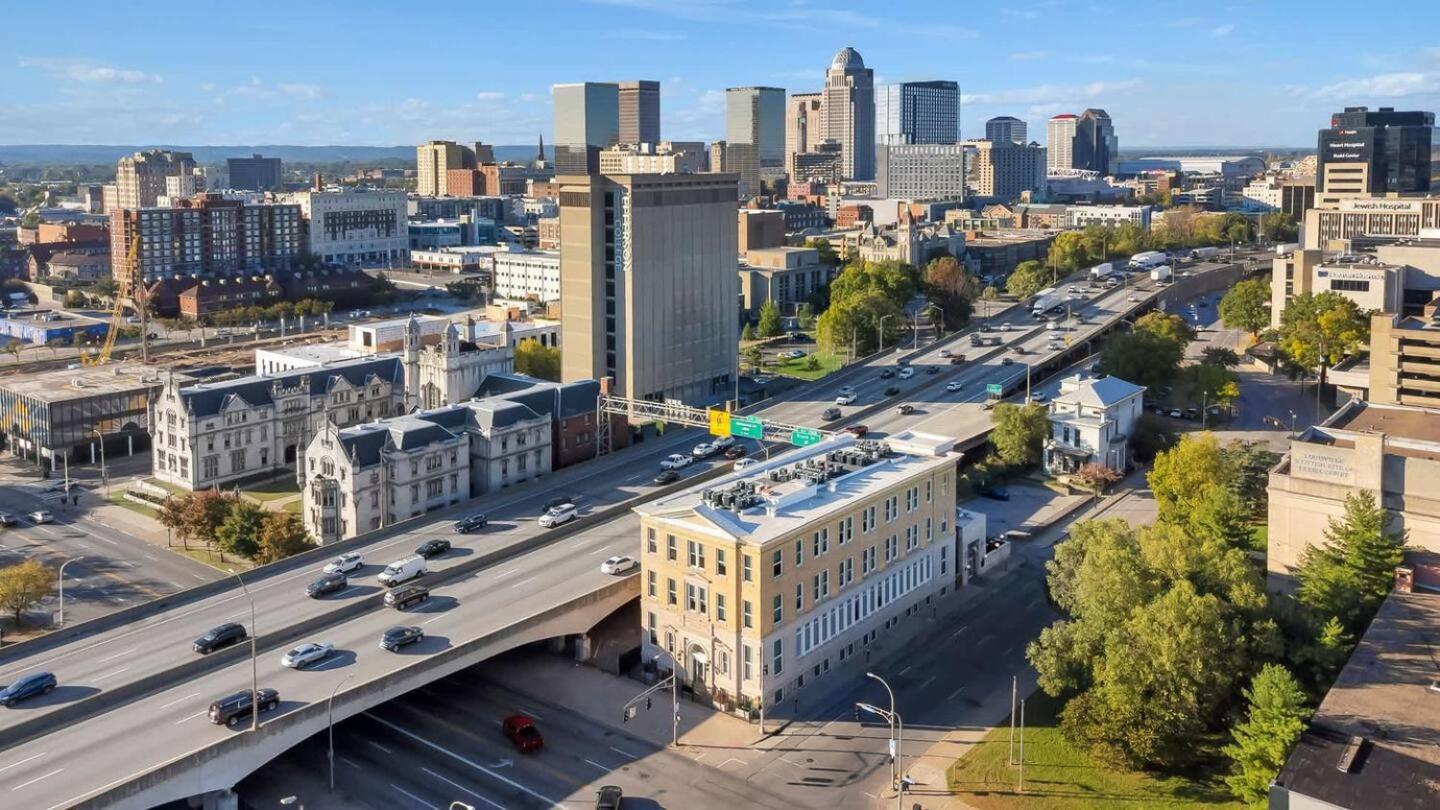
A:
(1247, 306)
(282, 534)
(1182, 474)
(1128, 239)
(239, 533)
(1169, 327)
(1279, 226)
(1318, 330)
(754, 356)
(856, 318)
(1141, 357)
(805, 316)
(952, 288)
(1028, 278)
(1262, 741)
(897, 281)
(1068, 252)
(204, 512)
(1019, 432)
(1351, 572)
(769, 320)
(1219, 356)
(538, 360)
(23, 585)
(826, 251)
(75, 299)
(747, 333)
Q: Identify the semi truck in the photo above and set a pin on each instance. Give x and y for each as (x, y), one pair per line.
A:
(1100, 271)
(1046, 300)
(1161, 275)
(1201, 253)
(1149, 260)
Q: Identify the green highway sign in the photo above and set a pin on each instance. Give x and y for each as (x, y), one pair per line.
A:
(994, 389)
(801, 437)
(747, 426)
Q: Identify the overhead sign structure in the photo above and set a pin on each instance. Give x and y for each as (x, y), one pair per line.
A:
(747, 427)
(719, 422)
(802, 437)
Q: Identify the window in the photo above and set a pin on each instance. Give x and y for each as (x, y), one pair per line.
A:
(650, 584)
(747, 666)
(778, 612)
(747, 620)
(720, 567)
(650, 540)
(671, 552)
(777, 657)
(846, 531)
(799, 597)
(777, 563)
(671, 597)
(746, 568)
(799, 553)
(696, 553)
(719, 607)
(867, 519)
(822, 542)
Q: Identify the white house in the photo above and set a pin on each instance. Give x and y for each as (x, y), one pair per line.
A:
(1092, 421)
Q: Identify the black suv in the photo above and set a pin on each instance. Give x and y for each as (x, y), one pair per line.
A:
(222, 636)
(234, 708)
(36, 683)
(406, 596)
(327, 584)
(471, 523)
(433, 548)
(397, 637)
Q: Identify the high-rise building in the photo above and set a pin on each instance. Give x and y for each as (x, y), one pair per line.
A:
(917, 112)
(648, 287)
(920, 171)
(640, 112)
(433, 159)
(254, 173)
(804, 126)
(1006, 128)
(850, 113)
(1095, 143)
(1060, 142)
(140, 178)
(587, 119)
(1380, 152)
(1004, 169)
(754, 133)
(357, 227)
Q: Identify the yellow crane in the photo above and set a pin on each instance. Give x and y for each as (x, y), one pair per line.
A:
(117, 312)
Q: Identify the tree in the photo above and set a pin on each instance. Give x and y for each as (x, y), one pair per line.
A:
(897, 281)
(1182, 474)
(754, 356)
(1247, 306)
(23, 585)
(240, 531)
(1279, 226)
(1169, 327)
(55, 344)
(204, 512)
(1068, 252)
(769, 320)
(1350, 573)
(172, 515)
(825, 250)
(1097, 477)
(13, 347)
(1028, 278)
(282, 534)
(747, 333)
(1142, 357)
(1019, 432)
(952, 288)
(1219, 356)
(538, 360)
(805, 316)
(1318, 330)
(1262, 741)
(855, 318)
(75, 299)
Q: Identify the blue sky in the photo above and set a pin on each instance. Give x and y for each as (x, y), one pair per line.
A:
(1264, 72)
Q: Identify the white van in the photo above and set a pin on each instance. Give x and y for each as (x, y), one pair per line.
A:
(402, 571)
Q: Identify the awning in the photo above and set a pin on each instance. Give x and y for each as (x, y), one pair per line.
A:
(699, 657)
(1074, 452)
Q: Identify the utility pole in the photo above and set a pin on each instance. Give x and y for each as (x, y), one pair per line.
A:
(1014, 688)
(1022, 746)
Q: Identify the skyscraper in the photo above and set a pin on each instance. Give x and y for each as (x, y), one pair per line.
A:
(587, 119)
(254, 173)
(804, 125)
(754, 133)
(1095, 143)
(1005, 128)
(433, 159)
(917, 112)
(140, 178)
(640, 112)
(1379, 152)
(850, 113)
(1060, 142)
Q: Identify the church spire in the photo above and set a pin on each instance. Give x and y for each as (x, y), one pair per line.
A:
(540, 157)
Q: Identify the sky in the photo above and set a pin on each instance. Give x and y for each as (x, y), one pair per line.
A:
(362, 72)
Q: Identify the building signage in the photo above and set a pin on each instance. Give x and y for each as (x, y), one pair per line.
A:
(802, 437)
(747, 426)
(994, 389)
(719, 422)
(1395, 206)
(1322, 465)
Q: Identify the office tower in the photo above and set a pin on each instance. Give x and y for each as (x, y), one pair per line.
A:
(648, 287)
(484, 153)
(587, 119)
(433, 159)
(1003, 169)
(1380, 152)
(140, 178)
(920, 171)
(754, 133)
(917, 112)
(804, 126)
(640, 112)
(850, 113)
(1005, 128)
(1095, 143)
(254, 173)
(1060, 142)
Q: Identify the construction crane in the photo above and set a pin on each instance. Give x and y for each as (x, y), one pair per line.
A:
(117, 315)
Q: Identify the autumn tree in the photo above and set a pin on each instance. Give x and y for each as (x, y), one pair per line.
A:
(538, 360)
(1097, 477)
(24, 585)
(204, 512)
(282, 534)
(952, 288)
(1028, 278)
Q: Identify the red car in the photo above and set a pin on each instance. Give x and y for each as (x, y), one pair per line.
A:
(858, 431)
(523, 734)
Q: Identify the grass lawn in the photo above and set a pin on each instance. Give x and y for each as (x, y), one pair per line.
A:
(293, 506)
(117, 497)
(1061, 777)
(272, 490)
(799, 369)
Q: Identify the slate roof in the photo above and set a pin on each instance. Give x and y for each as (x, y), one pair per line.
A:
(209, 399)
(561, 400)
(1102, 393)
(493, 414)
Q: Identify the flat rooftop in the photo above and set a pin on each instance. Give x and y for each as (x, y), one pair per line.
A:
(322, 353)
(1395, 421)
(61, 385)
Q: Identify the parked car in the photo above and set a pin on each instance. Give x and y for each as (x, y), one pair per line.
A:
(954, 385)
(229, 711)
(40, 516)
(397, 637)
(326, 585)
(26, 687)
(1176, 413)
(433, 547)
(523, 734)
(558, 516)
(858, 431)
(905, 409)
(1192, 413)
(830, 414)
(471, 523)
(996, 493)
(1005, 327)
(618, 565)
(666, 477)
(345, 563)
(609, 797)
(7, 519)
(847, 398)
(402, 571)
(407, 597)
(311, 652)
(892, 391)
(735, 451)
(220, 637)
(674, 461)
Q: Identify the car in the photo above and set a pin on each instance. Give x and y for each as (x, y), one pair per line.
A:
(906, 373)
(1192, 413)
(7, 519)
(609, 797)
(1005, 327)
(746, 462)
(402, 571)
(220, 637)
(955, 361)
(996, 493)
(735, 451)
(902, 362)
(932, 369)
(1007, 361)
(345, 563)
(28, 686)
(1202, 303)
(892, 391)
(1037, 397)
(1057, 334)
(674, 461)
(433, 547)
(830, 414)
(985, 327)
(618, 565)
(1054, 346)
(762, 380)
(847, 398)
(886, 374)
(230, 710)
(310, 652)
(397, 637)
(40, 516)
(1176, 413)
(407, 596)
(722, 442)
(945, 352)
(954, 385)
(523, 734)
(905, 409)
(327, 584)
(665, 477)
(471, 523)
(703, 450)
(558, 516)
(858, 431)
(1133, 298)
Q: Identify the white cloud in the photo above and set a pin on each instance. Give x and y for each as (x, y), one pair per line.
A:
(87, 70)
(1384, 85)
(528, 97)
(1223, 30)
(301, 90)
(258, 89)
(1029, 56)
(1047, 94)
(489, 95)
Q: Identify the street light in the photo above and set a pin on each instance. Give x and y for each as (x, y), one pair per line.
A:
(920, 312)
(104, 479)
(254, 667)
(330, 723)
(61, 578)
(880, 331)
(898, 729)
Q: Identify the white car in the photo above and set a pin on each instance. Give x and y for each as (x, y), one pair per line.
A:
(675, 461)
(945, 353)
(703, 450)
(1037, 397)
(846, 398)
(1004, 327)
(1134, 299)
(40, 516)
(308, 653)
(906, 373)
(345, 563)
(742, 463)
(618, 565)
(953, 385)
(723, 442)
(564, 513)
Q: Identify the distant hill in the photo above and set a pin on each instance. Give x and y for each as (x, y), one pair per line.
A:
(64, 154)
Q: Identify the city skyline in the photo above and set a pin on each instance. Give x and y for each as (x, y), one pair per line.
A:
(104, 81)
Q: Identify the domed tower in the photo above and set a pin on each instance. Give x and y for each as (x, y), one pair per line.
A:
(850, 113)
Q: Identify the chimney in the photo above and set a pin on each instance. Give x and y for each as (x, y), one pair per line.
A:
(316, 184)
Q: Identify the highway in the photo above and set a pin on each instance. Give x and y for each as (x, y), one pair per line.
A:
(44, 772)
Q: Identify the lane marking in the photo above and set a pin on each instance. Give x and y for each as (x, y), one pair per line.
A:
(99, 678)
(623, 753)
(181, 700)
(23, 761)
(381, 747)
(191, 717)
(902, 672)
(531, 712)
(522, 583)
(412, 796)
(477, 766)
(602, 768)
(927, 682)
(121, 654)
(956, 692)
(36, 779)
(958, 632)
(436, 619)
(464, 789)
(507, 573)
(352, 763)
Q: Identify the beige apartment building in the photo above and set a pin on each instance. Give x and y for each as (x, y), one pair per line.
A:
(770, 579)
(1374, 285)
(433, 159)
(140, 178)
(1405, 358)
(804, 126)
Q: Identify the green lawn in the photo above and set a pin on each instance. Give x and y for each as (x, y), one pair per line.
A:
(799, 368)
(273, 490)
(1061, 777)
(117, 497)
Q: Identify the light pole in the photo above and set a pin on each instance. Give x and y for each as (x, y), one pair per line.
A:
(330, 724)
(898, 735)
(922, 311)
(61, 581)
(254, 666)
(104, 478)
(880, 331)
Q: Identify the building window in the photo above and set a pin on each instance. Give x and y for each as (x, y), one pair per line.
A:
(719, 607)
(799, 597)
(747, 620)
(778, 611)
(696, 552)
(846, 530)
(747, 666)
(650, 584)
(822, 542)
(720, 567)
(650, 540)
(746, 568)
(671, 597)
(777, 657)
(777, 563)
(650, 626)
(799, 553)
(671, 550)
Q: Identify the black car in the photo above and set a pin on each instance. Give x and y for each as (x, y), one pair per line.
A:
(327, 584)
(471, 523)
(985, 327)
(231, 710)
(433, 548)
(892, 391)
(36, 683)
(932, 369)
(407, 596)
(996, 493)
(887, 374)
(1007, 361)
(397, 637)
(735, 451)
(666, 477)
(219, 637)
(830, 414)
(609, 797)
